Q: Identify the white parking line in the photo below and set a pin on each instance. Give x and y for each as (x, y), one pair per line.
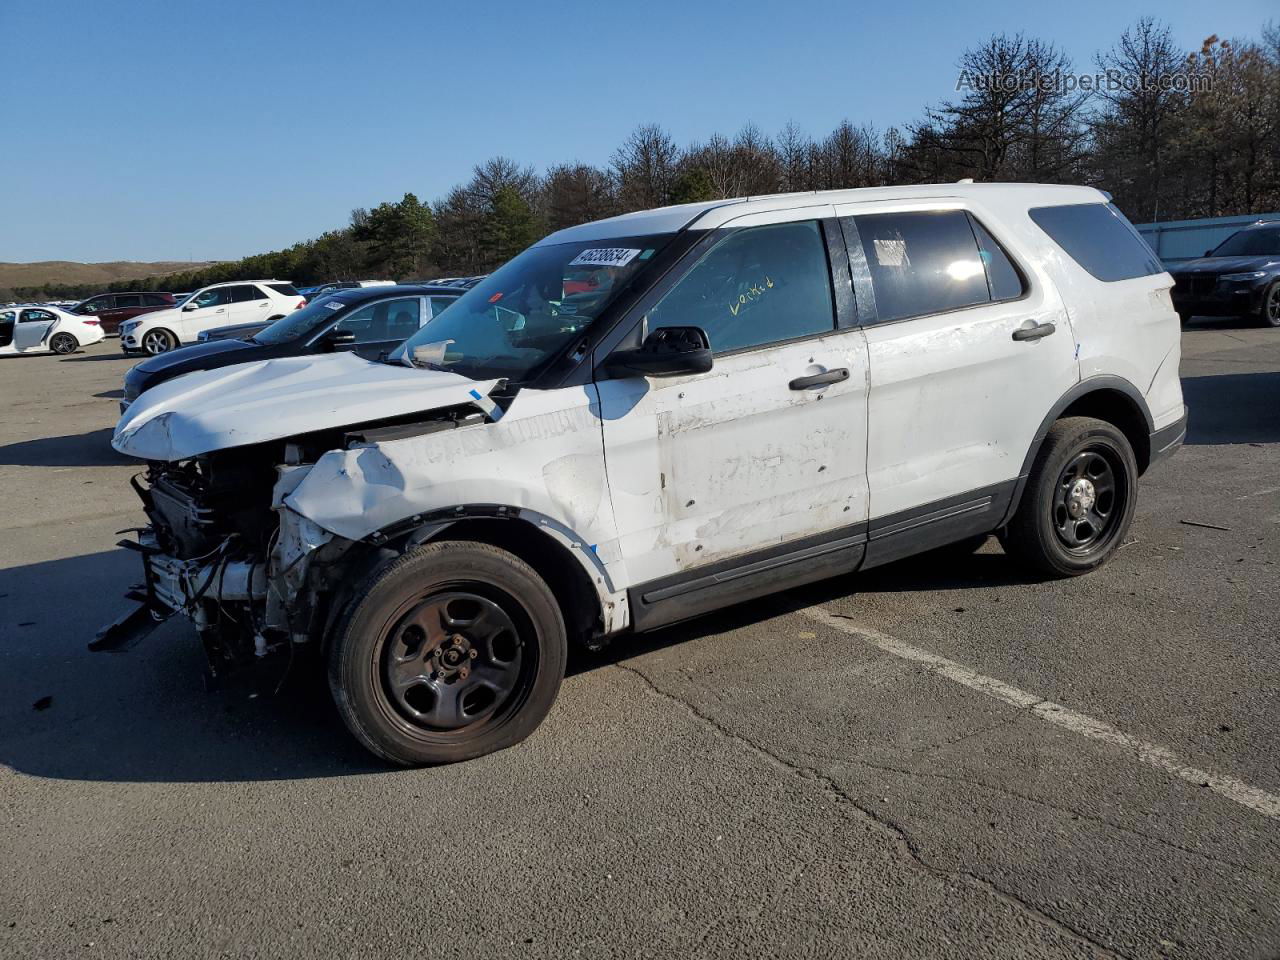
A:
(1152, 754)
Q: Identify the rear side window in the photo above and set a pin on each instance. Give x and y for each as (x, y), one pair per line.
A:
(1099, 238)
(439, 303)
(1003, 279)
(128, 300)
(757, 286)
(922, 262)
(284, 289)
(245, 292)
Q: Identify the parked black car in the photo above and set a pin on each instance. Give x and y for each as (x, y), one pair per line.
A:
(368, 320)
(1238, 278)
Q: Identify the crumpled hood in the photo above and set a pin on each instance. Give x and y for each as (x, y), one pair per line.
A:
(272, 399)
(1226, 264)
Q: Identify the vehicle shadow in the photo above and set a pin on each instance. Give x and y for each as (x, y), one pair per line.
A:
(144, 715)
(94, 357)
(92, 449)
(110, 394)
(1233, 408)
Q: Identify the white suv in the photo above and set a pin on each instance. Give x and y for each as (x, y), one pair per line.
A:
(217, 305)
(643, 419)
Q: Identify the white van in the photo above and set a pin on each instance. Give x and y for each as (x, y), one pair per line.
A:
(211, 307)
(644, 419)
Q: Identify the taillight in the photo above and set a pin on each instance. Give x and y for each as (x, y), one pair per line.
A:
(300, 304)
(92, 323)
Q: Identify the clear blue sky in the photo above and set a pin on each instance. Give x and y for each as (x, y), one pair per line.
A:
(169, 129)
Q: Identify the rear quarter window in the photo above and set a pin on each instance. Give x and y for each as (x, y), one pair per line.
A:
(1099, 238)
(284, 289)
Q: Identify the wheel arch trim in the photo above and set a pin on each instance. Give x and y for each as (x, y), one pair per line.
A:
(429, 526)
(1124, 390)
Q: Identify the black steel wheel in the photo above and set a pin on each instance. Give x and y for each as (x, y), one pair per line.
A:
(452, 651)
(1271, 305)
(63, 344)
(454, 659)
(1088, 501)
(1079, 499)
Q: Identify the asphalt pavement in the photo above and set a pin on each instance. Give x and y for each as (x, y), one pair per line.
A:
(944, 757)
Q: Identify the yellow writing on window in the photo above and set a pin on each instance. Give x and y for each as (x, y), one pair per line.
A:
(752, 294)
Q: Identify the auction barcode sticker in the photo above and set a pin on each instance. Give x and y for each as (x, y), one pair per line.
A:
(604, 257)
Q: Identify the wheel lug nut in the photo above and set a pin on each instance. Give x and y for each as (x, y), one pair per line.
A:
(472, 654)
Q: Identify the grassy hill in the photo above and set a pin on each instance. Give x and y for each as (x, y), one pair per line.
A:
(69, 272)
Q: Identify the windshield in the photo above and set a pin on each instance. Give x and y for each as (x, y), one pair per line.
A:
(526, 313)
(1250, 243)
(314, 315)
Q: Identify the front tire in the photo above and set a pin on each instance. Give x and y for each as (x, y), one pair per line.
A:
(158, 341)
(450, 652)
(1079, 500)
(63, 344)
(1270, 313)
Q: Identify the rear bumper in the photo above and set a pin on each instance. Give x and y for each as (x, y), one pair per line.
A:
(1166, 441)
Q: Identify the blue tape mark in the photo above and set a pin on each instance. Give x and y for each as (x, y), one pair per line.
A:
(476, 393)
(593, 548)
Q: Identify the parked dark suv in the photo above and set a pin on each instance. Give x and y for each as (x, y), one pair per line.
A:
(113, 309)
(370, 321)
(1238, 278)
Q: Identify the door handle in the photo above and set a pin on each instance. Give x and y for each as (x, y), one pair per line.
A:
(819, 379)
(1034, 333)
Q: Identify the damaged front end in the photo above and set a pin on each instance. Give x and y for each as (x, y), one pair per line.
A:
(224, 551)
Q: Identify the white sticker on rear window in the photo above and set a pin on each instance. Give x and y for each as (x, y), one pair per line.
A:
(892, 253)
(604, 257)
(335, 304)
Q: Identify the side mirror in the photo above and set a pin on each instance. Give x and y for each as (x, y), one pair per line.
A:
(666, 352)
(339, 338)
(187, 308)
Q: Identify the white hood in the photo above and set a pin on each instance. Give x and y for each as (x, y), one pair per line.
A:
(272, 399)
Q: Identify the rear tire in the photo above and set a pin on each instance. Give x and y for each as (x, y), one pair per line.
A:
(63, 344)
(450, 652)
(1079, 500)
(158, 341)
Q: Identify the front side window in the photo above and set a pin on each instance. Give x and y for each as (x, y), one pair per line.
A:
(757, 286)
(385, 320)
(217, 297)
(1099, 238)
(154, 300)
(1250, 243)
(526, 313)
(922, 262)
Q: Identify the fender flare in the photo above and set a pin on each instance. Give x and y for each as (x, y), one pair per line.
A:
(432, 525)
(1082, 389)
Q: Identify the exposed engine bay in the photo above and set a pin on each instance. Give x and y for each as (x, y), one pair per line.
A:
(222, 548)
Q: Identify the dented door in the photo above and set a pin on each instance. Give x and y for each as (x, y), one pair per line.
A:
(766, 448)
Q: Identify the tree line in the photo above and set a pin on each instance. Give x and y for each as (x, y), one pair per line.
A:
(1170, 133)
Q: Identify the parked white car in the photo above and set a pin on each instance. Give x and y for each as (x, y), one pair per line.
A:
(218, 305)
(45, 329)
(647, 418)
